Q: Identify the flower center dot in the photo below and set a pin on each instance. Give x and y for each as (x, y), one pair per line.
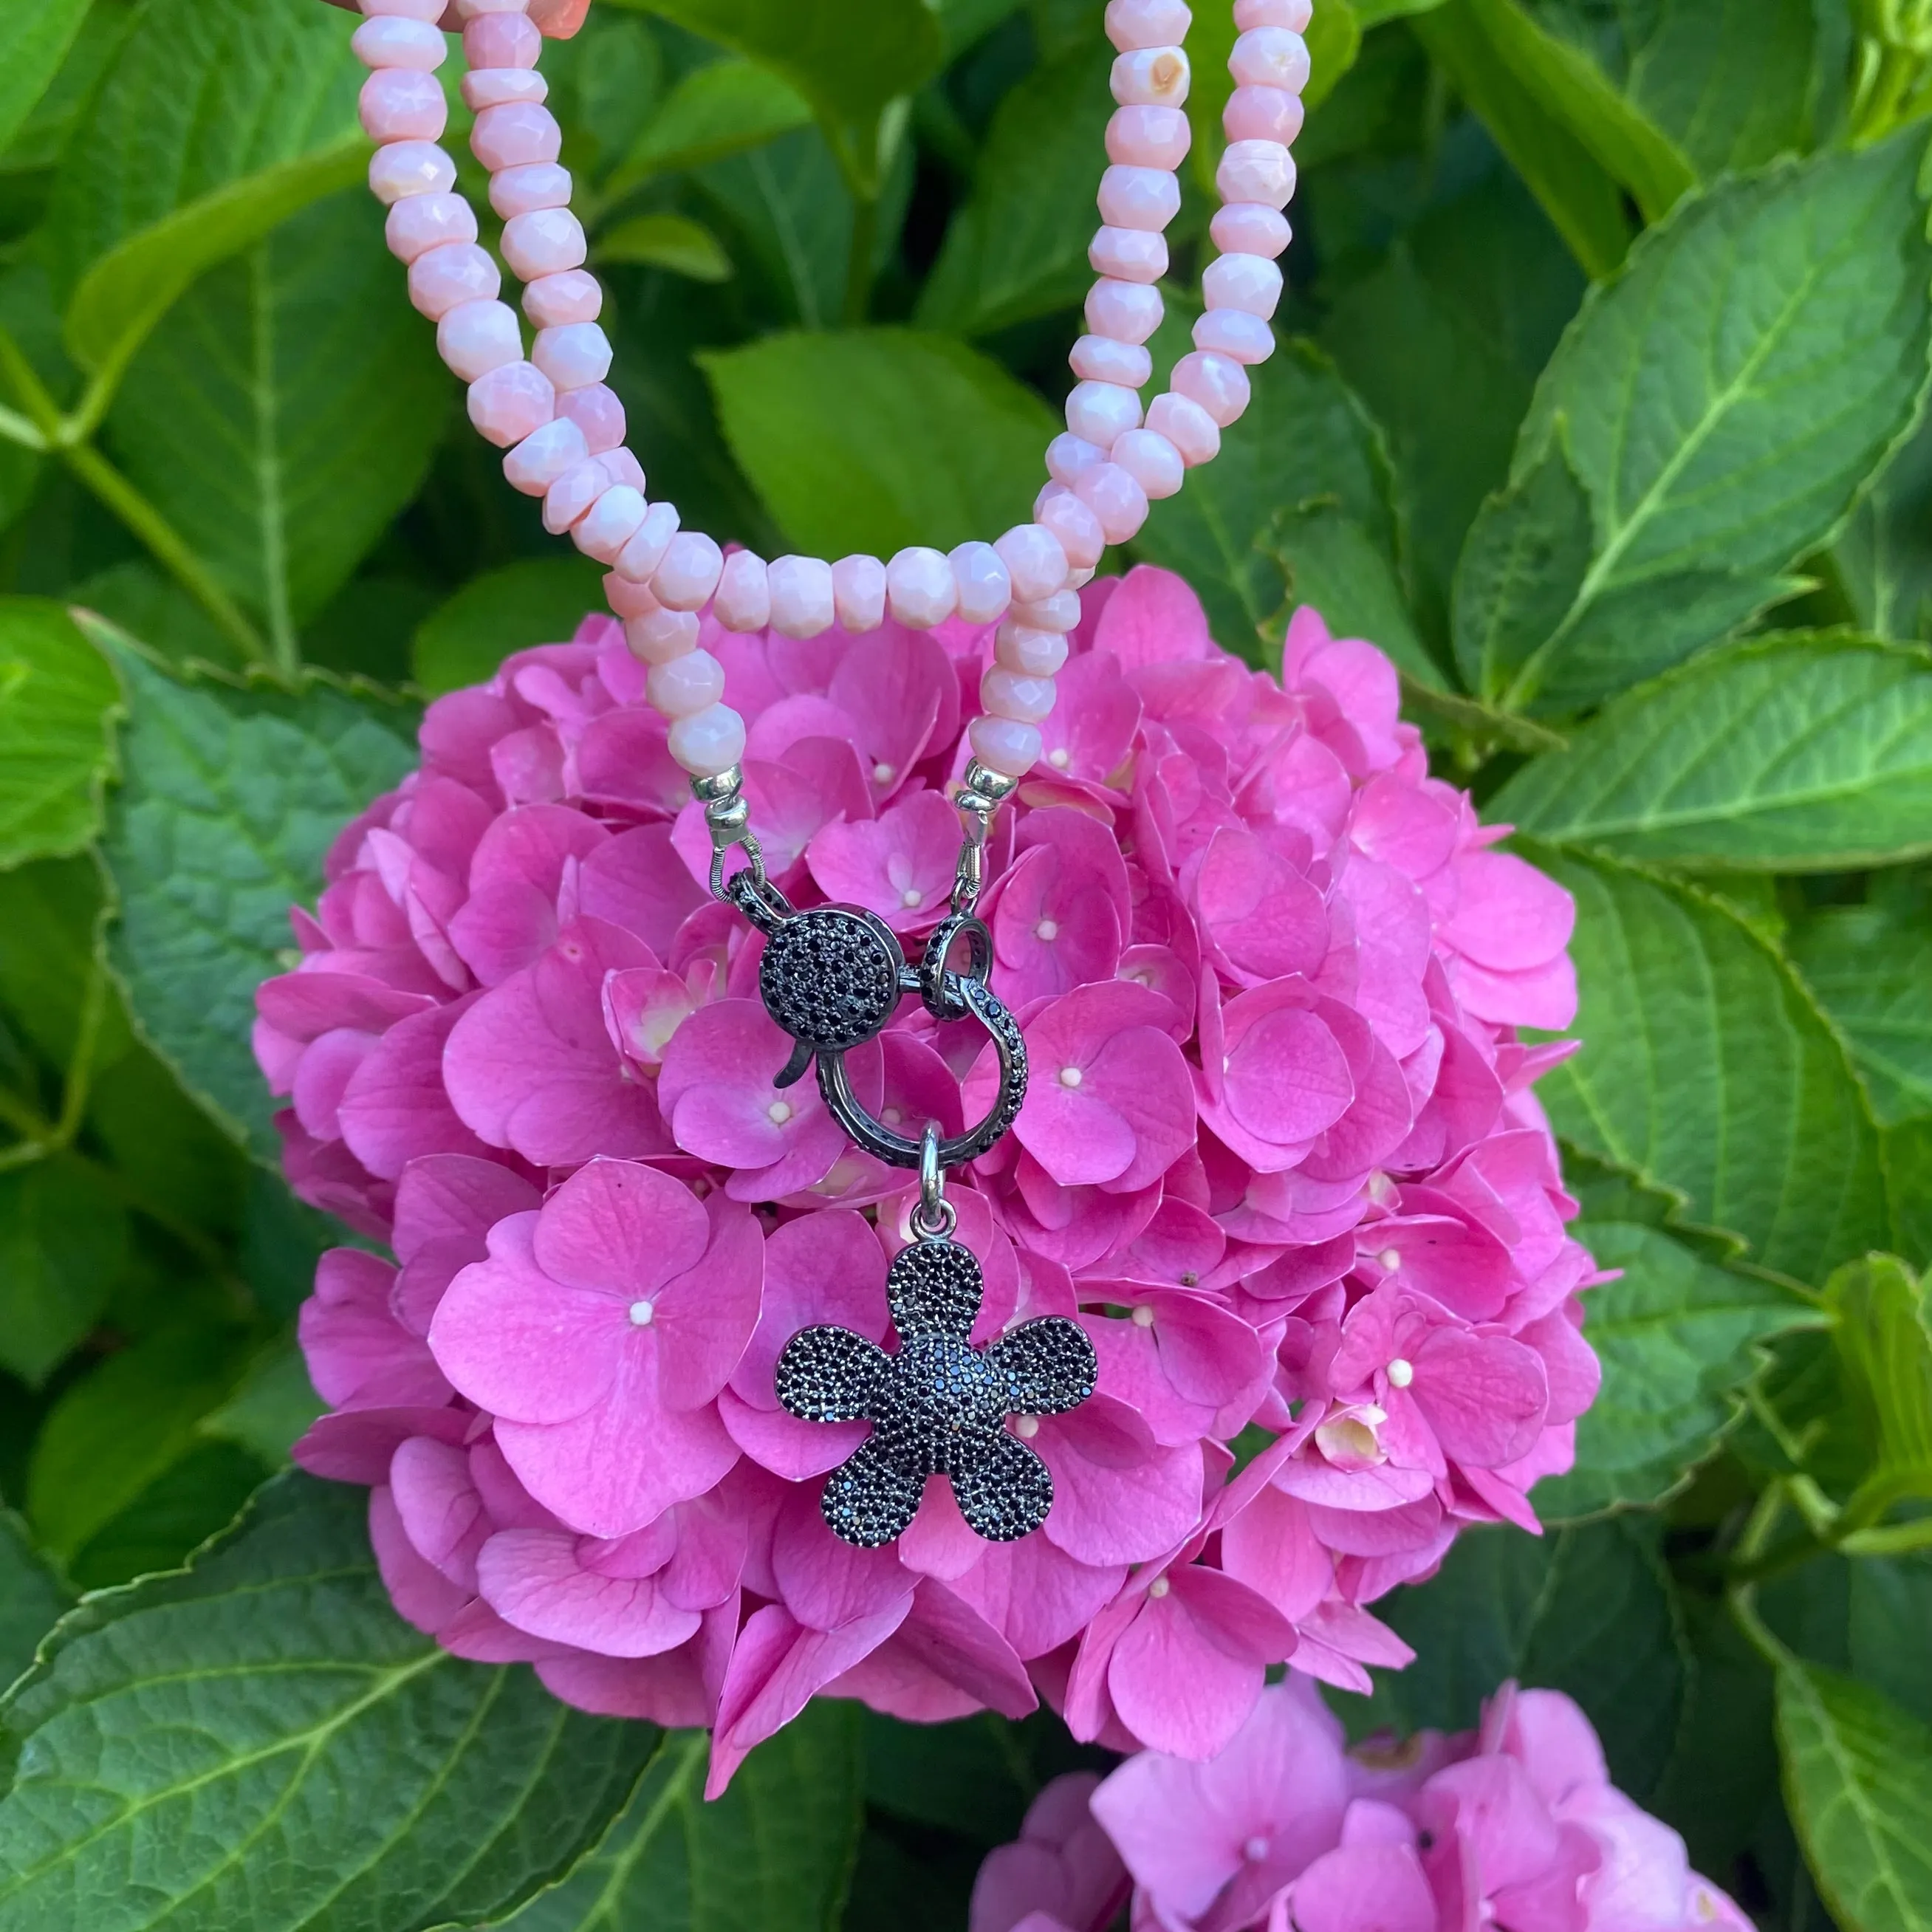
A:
(1256, 1849)
(1048, 929)
(1401, 1373)
(778, 1112)
(1070, 1076)
(1027, 1426)
(883, 773)
(892, 1117)
(1391, 1258)
(1143, 1316)
(1159, 1588)
(1060, 757)
(641, 1314)
(912, 896)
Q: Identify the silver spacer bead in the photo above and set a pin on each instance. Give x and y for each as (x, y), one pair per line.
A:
(723, 786)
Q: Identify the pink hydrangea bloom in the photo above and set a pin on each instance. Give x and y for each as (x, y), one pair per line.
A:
(1516, 1824)
(1280, 1158)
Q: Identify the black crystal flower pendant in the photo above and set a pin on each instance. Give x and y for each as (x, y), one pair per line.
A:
(939, 1406)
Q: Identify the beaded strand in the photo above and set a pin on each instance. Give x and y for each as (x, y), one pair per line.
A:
(562, 428)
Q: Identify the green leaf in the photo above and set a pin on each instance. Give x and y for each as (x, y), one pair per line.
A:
(776, 1849)
(272, 1405)
(49, 917)
(229, 798)
(268, 1744)
(539, 601)
(719, 108)
(31, 1598)
(1857, 1779)
(34, 41)
(1790, 753)
(63, 1242)
(1882, 561)
(837, 432)
(1329, 560)
(1884, 1357)
(1589, 1611)
(1723, 402)
(973, 1776)
(1677, 1338)
(1872, 972)
(1707, 1069)
(56, 699)
(664, 240)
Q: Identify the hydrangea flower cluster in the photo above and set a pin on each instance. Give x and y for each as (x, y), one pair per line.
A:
(1516, 1824)
(1280, 1159)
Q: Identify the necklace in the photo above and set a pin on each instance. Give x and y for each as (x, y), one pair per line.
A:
(832, 977)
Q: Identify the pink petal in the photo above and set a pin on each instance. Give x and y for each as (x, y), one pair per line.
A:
(532, 1578)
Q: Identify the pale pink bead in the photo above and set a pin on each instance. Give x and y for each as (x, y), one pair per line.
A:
(511, 402)
(1034, 561)
(689, 683)
(1124, 311)
(543, 242)
(661, 635)
(1072, 525)
(1263, 114)
(859, 593)
(1128, 254)
(544, 455)
(624, 468)
(1151, 77)
(1270, 57)
(1235, 334)
(1251, 283)
(638, 560)
(919, 589)
(610, 523)
(1116, 498)
(573, 494)
(515, 135)
(1293, 14)
(1247, 228)
(803, 604)
(984, 589)
(398, 103)
(396, 41)
(1060, 612)
(1220, 386)
(404, 168)
(689, 573)
(515, 191)
(574, 295)
(1146, 23)
(1187, 426)
(628, 599)
(501, 40)
(1032, 653)
(427, 221)
(1099, 358)
(459, 271)
(1149, 137)
(596, 411)
(1101, 411)
(743, 601)
(1261, 171)
(500, 86)
(1067, 454)
(709, 742)
(1143, 198)
(574, 356)
(471, 10)
(403, 10)
(1151, 461)
(1011, 694)
(476, 337)
(1004, 744)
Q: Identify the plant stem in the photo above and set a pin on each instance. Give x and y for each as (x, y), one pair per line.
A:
(859, 268)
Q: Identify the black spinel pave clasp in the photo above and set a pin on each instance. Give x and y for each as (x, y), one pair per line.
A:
(831, 978)
(939, 1406)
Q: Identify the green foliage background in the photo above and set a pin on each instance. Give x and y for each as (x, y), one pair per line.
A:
(1600, 406)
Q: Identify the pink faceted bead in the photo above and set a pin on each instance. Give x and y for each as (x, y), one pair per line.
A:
(574, 295)
(404, 10)
(1067, 454)
(427, 221)
(1247, 228)
(1261, 171)
(1250, 283)
(476, 337)
(1143, 198)
(1010, 694)
(395, 41)
(1004, 744)
(515, 191)
(545, 455)
(459, 271)
(609, 523)
(1101, 411)
(803, 604)
(1034, 561)
(501, 40)
(1293, 14)
(1032, 653)
(709, 742)
(404, 168)
(1128, 254)
(1099, 358)
(1151, 77)
(543, 242)
(984, 587)
(1151, 461)
(1270, 57)
(1060, 612)
(687, 684)
(1263, 114)
(574, 356)
(572, 494)
(624, 468)
(919, 589)
(511, 402)
(743, 601)
(689, 573)
(1072, 525)
(1124, 311)
(1116, 498)
(1218, 386)
(1187, 426)
(1146, 23)
(1235, 334)
(628, 599)
(500, 86)
(470, 10)
(514, 135)
(399, 104)
(859, 593)
(1149, 137)
(596, 411)
(639, 559)
(660, 635)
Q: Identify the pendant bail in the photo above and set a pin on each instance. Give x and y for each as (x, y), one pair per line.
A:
(935, 1217)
